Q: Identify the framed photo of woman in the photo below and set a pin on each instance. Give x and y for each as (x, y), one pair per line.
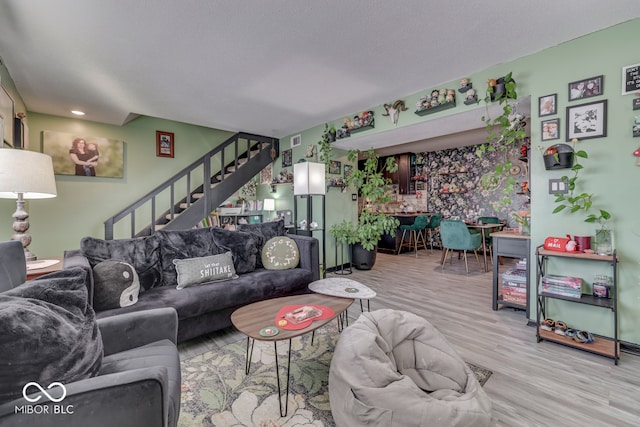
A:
(550, 129)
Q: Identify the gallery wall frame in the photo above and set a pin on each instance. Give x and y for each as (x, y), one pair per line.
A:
(61, 146)
(550, 129)
(165, 144)
(547, 105)
(586, 121)
(586, 88)
(6, 116)
(630, 79)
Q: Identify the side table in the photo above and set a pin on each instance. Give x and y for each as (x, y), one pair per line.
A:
(344, 288)
(41, 267)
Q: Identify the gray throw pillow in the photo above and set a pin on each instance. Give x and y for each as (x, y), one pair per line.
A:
(143, 253)
(183, 244)
(280, 253)
(243, 248)
(194, 271)
(116, 285)
(48, 333)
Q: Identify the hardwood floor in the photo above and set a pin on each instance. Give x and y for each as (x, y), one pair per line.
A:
(533, 384)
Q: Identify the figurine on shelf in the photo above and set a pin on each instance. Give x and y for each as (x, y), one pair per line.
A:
(303, 224)
(465, 85)
(471, 98)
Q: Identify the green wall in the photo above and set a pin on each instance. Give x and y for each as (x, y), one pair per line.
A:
(610, 172)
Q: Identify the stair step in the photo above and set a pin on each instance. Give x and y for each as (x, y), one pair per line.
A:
(175, 215)
(160, 226)
(197, 195)
(214, 184)
(241, 162)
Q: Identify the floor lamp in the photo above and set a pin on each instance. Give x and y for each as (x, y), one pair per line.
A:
(25, 175)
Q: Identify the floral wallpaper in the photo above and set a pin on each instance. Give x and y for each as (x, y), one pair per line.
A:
(461, 185)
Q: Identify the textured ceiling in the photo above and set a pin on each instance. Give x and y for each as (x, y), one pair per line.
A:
(268, 67)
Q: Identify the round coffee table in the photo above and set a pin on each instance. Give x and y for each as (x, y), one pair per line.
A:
(344, 288)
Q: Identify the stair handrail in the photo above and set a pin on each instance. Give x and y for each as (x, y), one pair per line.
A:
(205, 159)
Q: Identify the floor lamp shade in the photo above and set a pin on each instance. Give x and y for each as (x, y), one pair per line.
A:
(27, 173)
(309, 178)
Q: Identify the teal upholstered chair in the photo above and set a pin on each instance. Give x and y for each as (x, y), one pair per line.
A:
(488, 239)
(416, 232)
(456, 237)
(432, 227)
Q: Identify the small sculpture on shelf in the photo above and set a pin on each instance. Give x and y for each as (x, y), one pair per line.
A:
(439, 99)
(465, 85)
(471, 97)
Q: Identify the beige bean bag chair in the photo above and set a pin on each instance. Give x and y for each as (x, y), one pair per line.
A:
(393, 368)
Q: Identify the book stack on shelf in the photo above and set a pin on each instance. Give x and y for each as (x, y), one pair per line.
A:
(210, 221)
(514, 283)
(565, 286)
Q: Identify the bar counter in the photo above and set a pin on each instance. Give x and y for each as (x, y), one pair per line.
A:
(390, 243)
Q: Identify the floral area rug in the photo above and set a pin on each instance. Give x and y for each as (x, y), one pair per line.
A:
(216, 391)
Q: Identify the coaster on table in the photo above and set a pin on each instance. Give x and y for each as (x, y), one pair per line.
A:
(269, 331)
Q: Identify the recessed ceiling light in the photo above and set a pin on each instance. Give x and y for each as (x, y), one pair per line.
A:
(77, 112)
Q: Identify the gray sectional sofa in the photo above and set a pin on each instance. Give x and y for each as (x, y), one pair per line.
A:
(206, 307)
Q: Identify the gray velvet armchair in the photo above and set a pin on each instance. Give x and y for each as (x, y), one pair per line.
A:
(138, 382)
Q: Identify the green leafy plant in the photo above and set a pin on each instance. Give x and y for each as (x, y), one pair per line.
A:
(373, 187)
(324, 147)
(503, 131)
(575, 201)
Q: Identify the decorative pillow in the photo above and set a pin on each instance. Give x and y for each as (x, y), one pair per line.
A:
(262, 233)
(48, 333)
(115, 285)
(212, 268)
(243, 248)
(280, 253)
(182, 244)
(143, 253)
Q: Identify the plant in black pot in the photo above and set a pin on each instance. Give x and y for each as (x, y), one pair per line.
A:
(373, 188)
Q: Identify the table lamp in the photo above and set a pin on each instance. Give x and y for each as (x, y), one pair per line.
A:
(269, 205)
(25, 175)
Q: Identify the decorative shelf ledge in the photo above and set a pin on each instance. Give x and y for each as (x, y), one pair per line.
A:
(435, 109)
(362, 128)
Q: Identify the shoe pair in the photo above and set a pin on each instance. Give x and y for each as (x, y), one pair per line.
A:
(559, 327)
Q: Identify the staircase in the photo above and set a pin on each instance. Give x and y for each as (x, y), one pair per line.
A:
(192, 194)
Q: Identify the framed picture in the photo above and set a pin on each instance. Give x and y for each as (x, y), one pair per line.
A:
(296, 141)
(80, 155)
(547, 105)
(630, 79)
(593, 86)
(287, 159)
(347, 170)
(6, 116)
(335, 167)
(164, 144)
(587, 120)
(550, 129)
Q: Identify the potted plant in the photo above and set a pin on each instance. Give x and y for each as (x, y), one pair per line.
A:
(603, 235)
(372, 223)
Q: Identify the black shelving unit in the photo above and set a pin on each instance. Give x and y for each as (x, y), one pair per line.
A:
(318, 232)
(604, 346)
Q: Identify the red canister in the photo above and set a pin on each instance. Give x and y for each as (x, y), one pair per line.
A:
(583, 242)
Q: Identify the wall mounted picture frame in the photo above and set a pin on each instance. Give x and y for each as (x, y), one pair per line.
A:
(287, 158)
(105, 155)
(581, 89)
(550, 129)
(335, 167)
(347, 170)
(547, 105)
(165, 144)
(630, 79)
(296, 141)
(6, 116)
(586, 121)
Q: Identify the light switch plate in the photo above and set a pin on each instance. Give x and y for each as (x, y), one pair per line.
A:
(558, 186)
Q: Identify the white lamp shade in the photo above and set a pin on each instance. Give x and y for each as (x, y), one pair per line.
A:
(308, 178)
(26, 172)
(269, 205)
